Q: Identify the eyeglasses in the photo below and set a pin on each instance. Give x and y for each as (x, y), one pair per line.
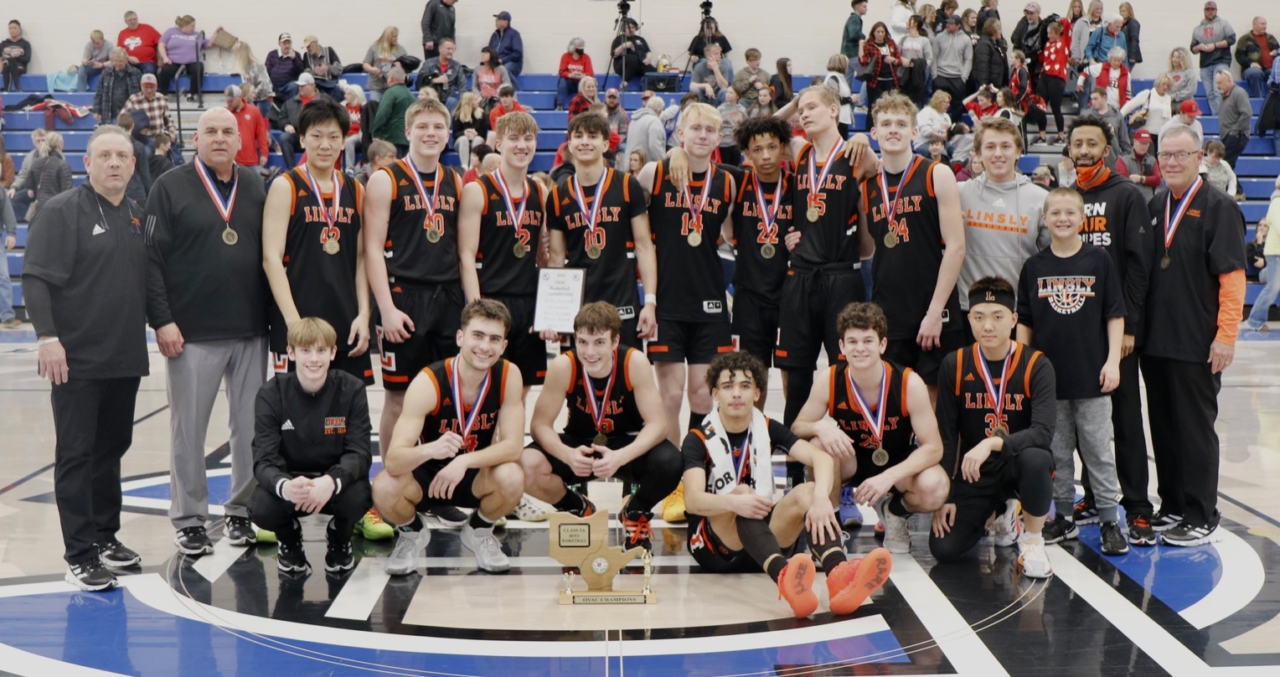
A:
(1180, 156)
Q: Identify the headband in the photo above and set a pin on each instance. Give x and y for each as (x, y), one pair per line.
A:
(1000, 296)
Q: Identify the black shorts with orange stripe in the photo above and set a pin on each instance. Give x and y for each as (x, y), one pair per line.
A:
(436, 313)
(714, 556)
(525, 348)
(692, 342)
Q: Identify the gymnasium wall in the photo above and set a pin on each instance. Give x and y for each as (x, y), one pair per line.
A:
(807, 31)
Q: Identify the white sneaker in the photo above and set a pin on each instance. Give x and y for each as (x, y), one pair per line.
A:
(404, 558)
(1007, 528)
(527, 511)
(897, 538)
(489, 555)
(1032, 556)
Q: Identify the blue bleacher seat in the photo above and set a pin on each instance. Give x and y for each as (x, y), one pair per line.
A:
(15, 263)
(17, 295)
(213, 82)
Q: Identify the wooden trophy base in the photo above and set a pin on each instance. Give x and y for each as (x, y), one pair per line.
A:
(608, 597)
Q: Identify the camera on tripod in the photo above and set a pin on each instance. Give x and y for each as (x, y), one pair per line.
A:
(706, 8)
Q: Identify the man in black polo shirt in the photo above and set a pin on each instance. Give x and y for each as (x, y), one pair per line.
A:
(86, 294)
(311, 449)
(207, 300)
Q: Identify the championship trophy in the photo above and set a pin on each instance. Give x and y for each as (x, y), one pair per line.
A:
(583, 542)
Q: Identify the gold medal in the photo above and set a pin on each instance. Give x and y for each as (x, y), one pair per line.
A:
(880, 457)
(812, 214)
(601, 440)
(695, 239)
(520, 250)
(1166, 262)
(331, 247)
(230, 237)
(1002, 431)
(593, 252)
(433, 236)
(768, 250)
(891, 239)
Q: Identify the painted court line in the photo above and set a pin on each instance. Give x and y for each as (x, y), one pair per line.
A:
(213, 566)
(1241, 581)
(963, 647)
(361, 592)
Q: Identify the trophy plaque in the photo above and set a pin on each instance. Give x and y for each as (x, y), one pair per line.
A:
(583, 543)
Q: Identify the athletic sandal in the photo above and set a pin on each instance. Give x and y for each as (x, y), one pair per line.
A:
(673, 505)
(870, 574)
(795, 584)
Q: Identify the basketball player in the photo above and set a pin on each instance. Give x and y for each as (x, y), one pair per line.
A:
(411, 254)
(500, 225)
(616, 425)
(443, 451)
(912, 214)
(693, 325)
(996, 411)
(315, 246)
(599, 221)
(734, 524)
(881, 428)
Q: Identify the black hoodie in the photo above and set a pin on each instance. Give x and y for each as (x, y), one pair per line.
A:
(1116, 219)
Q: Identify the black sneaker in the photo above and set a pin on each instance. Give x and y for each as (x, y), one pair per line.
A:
(340, 556)
(1060, 529)
(115, 555)
(449, 515)
(1085, 512)
(90, 576)
(1186, 534)
(1163, 521)
(240, 531)
(292, 559)
(1140, 531)
(1113, 542)
(193, 541)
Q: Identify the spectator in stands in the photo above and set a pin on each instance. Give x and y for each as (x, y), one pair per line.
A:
(1183, 76)
(1053, 73)
(834, 79)
(932, 122)
(1108, 37)
(1151, 108)
(381, 154)
(752, 79)
(780, 83)
(945, 11)
(15, 56)
(617, 115)
(711, 76)
(96, 57)
(389, 123)
(156, 107)
(353, 100)
(116, 85)
(1132, 35)
(1257, 319)
(1218, 173)
(508, 45)
(969, 24)
(1111, 75)
(479, 153)
(710, 35)
(929, 13)
(1030, 36)
(990, 10)
(647, 132)
(9, 232)
(1269, 120)
(444, 74)
(255, 138)
(1256, 256)
(324, 65)
(733, 114)
(470, 127)
(764, 105)
(52, 174)
(990, 58)
(630, 54)
(575, 64)
(140, 41)
(850, 43)
(639, 158)
(180, 48)
(917, 60)
(952, 63)
(588, 95)
(1140, 165)
(1212, 39)
(881, 53)
(7, 171)
(506, 104)
(1188, 111)
(1081, 34)
(982, 103)
(22, 190)
(1234, 115)
(159, 162)
(284, 117)
(253, 72)
(439, 21)
(1100, 106)
(384, 53)
(491, 77)
(140, 182)
(1255, 53)
(1043, 176)
(971, 170)
(284, 65)
(898, 15)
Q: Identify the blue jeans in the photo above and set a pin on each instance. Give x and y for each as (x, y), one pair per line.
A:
(82, 78)
(1257, 80)
(1206, 78)
(566, 89)
(1258, 316)
(286, 91)
(6, 291)
(148, 67)
(514, 75)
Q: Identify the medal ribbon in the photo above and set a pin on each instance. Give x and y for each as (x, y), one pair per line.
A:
(816, 183)
(875, 420)
(224, 207)
(598, 408)
(702, 199)
(891, 206)
(769, 215)
(516, 217)
(428, 201)
(998, 402)
(741, 456)
(593, 214)
(329, 218)
(455, 382)
(1171, 226)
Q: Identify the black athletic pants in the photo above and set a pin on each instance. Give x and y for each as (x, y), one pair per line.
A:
(1182, 407)
(93, 424)
(273, 513)
(1027, 477)
(956, 88)
(1051, 90)
(1131, 442)
(169, 73)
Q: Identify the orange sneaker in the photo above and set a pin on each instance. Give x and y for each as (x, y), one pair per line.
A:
(795, 584)
(840, 577)
(870, 573)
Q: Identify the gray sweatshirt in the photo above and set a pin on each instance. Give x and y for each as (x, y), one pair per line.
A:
(1213, 31)
(100, 54)
(1080, 32)
(1002, 229)
(952, 55)
(1235, 112)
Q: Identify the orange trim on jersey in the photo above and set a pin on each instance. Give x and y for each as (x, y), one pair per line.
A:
(368, 373)
(906, 373)
(724, 349)
(626, 368)
(394, 379)
(359, 197)
(484, 193)
(728, 194)
(389, 169)
(781, 353)
(928, 181)
(831, 393)
(808, 148)
(698, 432)
(866, 201)
(573, 371)
(502, 394)
(434, 382)
(626, 184)
(457, 181)
(293, 192)
(657, 177)
(1026, 378)
(555, 198)
(959, 369)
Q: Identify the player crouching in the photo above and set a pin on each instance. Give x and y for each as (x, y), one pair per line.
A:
(734, 524)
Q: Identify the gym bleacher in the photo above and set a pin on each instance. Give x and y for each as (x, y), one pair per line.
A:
(1256, 169)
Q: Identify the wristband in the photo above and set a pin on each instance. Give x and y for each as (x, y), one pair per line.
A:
(651, 300)
(47, 341)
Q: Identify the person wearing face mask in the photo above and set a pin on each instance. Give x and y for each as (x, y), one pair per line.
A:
(575, 64)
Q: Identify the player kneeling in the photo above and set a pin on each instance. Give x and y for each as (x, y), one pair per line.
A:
(616, 425)
(443, 450)
(881, 426)
(734, 524)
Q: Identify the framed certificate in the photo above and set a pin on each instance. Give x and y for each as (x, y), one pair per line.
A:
(559, 298)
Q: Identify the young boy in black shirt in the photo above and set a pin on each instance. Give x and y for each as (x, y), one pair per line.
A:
(311, 449)
(1071, 308)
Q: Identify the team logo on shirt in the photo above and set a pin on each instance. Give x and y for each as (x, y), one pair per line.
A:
(1066, 295)
(335, 425)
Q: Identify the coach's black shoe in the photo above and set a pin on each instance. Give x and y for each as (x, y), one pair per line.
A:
(639, 533)
(1085, 512)
(90, 576)
(292, 559)
(1186, 534)
(449, 515)
(114, 554)
(193, 541)
(1140, 531)
(240, 531)
(1163, 521)
(1060, 529)
(340, 557)
(1113, 542)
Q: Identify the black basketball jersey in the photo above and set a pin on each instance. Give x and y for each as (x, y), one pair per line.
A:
(323, 283)
(977, 417)
(752, 270)
(501, 271)
(612, 277)
(411, 254)
(909, 250)
(444, 417)
(833, 238)
(898, 437)
(621, 416)
(694, 290)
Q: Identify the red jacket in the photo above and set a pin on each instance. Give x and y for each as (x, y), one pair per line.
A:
(570, 65)
(255, 139)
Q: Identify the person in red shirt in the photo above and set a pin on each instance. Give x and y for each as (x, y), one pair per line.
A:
(1140, 166)
(254, 138)
(139, 40)
(353, 100)
(575, 64)
(506, 104)
(982, 103)
(1053, 72)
